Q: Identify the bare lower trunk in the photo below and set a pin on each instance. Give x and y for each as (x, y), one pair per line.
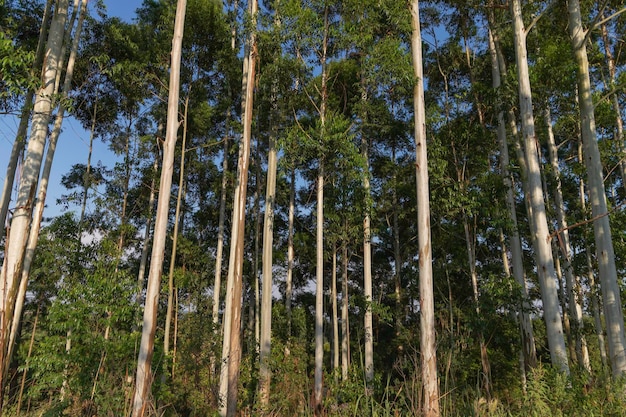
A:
(20, 223)
(146, 348)
(291, 215)
(602, 230)
(345, 319)
(427, 303)
(539, 223)
(333, 296)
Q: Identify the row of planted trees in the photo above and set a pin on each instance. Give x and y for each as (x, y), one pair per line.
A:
(293, 135)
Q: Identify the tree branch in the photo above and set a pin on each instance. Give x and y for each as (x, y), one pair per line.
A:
(539, 16)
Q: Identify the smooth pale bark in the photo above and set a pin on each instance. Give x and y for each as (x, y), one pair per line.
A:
(602, 230)
(345, 319)
(593, 287)
(170, 277)
(427, 303)
(35, 226)
(146, 347)
(526, 327)
(397, 255)
(539, 223)
(571, 281)
(335, 320)
(217, 283)
(231, 346)
(367, 260)
(290, 254)
(20, 137)
(266, 300)
(20, 222)
(319, 220)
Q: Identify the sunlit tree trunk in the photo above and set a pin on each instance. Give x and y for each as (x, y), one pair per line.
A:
(20, 137)
(170, 276)
(539, 223)
(345, 318)
(427, 304)
(20, 223)
(290, 255)
(146, 237)
(146, 347)
(319, 220)
(602, 230)
(231, 345)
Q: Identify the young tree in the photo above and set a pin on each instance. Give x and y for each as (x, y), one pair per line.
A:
(427, 303)
(146, 348)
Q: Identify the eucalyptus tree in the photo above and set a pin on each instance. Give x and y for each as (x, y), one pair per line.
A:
(146, 349)
(602, 230)
(427, 320)
(15, 246)
(231, 347)
(539, 225)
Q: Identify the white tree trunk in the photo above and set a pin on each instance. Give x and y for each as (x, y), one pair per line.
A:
(266, 298)
(231, 344)
(427, 303)
(345, 319)
(335, 320)
(146, 347)
(602, 229)
(20, 223)
(539, 223)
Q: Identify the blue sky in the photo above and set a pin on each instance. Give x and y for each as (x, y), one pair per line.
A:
(73, 144)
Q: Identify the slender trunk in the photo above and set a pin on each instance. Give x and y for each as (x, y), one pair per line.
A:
(602, 229)
(345, 319)
(20, 223)
(179, 199)
(290, 257)
(220, 238)
(146, 348)
(539, 223)
(367, 254)
(231, 349)
(593, 286)
(268, 242)
(427, 302)
(253, 322)
(517, 261)
(571, 281)
(319, 273)
(333, 296)
(20, 138)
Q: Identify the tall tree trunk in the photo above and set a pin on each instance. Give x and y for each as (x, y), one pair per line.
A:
(146, 348)
(539, 223)
(20, 138)
(334, 318)
(593, 286)
(517, 261)
(220, 238)
(268, 242)
(290, 257)
(20, 223)
(319, 220)
(345, 318)
(367, 252)
(179, 199)
(602, 229)
(571, 281)
(427, 302)
(231, 348)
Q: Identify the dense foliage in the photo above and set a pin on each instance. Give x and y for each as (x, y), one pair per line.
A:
(81, 326)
